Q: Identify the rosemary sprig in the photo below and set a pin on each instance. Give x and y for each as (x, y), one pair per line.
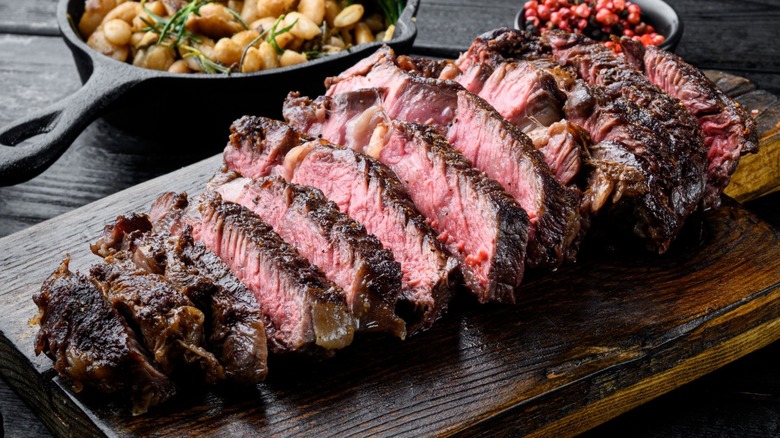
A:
(174, 28)
(207, 65)
(237, 17)
(274, 33)
(391, 9)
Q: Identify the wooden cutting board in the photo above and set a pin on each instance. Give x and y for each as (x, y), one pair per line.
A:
(583, 344)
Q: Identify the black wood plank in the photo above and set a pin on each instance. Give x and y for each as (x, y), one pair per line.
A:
(37, 71)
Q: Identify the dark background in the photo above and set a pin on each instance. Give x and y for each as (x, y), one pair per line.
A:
(36, 69)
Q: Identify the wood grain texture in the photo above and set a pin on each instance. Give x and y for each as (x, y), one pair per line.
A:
(587, 333)
(742, 399)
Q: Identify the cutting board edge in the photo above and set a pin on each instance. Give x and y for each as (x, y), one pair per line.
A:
(760, 320)
(662, 383)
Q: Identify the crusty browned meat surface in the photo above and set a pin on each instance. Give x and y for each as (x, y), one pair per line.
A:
(234, 326)
(728, 129)
(672, 142)
(371, 193)
(492, 144)
(169, 324)
(92, 345)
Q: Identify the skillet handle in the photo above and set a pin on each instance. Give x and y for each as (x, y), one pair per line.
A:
(55, 127)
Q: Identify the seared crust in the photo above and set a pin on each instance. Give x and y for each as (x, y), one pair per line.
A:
(556, 238)
(94, 348)
(728, 129)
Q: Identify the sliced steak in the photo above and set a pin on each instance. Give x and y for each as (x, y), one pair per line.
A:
(482, 135)
(729, 131)
(370, 193)
(343, 119)
(493, 145)
(564, 146)
(665, 134)
(404, 96)
(331, 240)
(474, 217)
(305, 311)
(508, 156)
(94, 348)
(170, 325)
(235, 329)
(512, 72)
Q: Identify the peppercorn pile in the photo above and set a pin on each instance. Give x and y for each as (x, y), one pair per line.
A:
(599, 20)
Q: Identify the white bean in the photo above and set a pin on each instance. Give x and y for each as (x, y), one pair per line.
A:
(349, 16)
(252, 61)
(94, 13)
(244, 38)
(274, 8)
(125, 12)
(117, 32)
(304, 28)
(291, 57)
(99, 42)
(179, 66)
(363, 34)
(249, 11)
(227, 52)
(268, 55)
(332, 10)
(313, 9)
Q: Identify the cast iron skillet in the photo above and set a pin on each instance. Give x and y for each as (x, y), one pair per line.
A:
(192, 109)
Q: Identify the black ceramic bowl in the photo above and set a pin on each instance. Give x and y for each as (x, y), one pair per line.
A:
(196, 109)
(654, 12)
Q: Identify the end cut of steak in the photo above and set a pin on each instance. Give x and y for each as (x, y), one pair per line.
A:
(305, 311)
(94, 348)
(729, 131)
(665, 134)
(475, 218)
(235, 329)
(170, 325)
(331, 240)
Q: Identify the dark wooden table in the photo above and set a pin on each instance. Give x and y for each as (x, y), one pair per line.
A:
(741, 399)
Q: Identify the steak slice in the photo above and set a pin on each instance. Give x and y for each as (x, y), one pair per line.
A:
(475, 218)
(729, 131)
(370, 193)
(170, 325)
(329, 239)
(235, 329)
(94, 348)
(247, 137)
(305, 311)
(677, 131)
(472, 132)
